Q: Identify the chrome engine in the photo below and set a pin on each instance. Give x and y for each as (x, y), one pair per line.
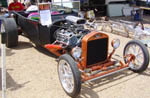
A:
(71, 33)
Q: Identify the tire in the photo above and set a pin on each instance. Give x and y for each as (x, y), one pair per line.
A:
(138, 50)
(67, 66)
(10, 27)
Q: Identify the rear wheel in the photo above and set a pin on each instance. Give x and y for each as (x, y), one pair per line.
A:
(9, 26)
(69, 75)
(141, 54)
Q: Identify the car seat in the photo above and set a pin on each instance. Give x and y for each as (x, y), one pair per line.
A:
(34, 16)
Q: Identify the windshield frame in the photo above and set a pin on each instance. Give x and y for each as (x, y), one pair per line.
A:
(64, 4)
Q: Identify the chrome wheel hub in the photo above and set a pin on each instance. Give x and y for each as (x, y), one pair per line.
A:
(138, 53)
(66, 76)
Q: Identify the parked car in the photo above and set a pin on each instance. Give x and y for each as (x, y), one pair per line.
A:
(83, 54)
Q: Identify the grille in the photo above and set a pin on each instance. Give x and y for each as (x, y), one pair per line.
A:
(97, 51)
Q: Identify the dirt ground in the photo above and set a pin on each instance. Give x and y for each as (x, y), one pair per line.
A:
(32, 73)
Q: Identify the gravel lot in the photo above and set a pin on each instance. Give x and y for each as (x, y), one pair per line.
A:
(32, 73)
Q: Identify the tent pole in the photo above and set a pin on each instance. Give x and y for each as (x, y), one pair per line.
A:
(3, 59)
(37, 1)
(3, 63)
(7, 2)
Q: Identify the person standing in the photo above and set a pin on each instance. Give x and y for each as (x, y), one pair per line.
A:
(15, 6)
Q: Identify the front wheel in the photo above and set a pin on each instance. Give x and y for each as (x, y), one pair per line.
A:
(69, 75)
(141, 54)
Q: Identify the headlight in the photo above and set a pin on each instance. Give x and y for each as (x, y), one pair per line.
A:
(115, 43)
(76, 52)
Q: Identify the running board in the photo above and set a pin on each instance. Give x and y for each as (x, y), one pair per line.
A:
(107, 74)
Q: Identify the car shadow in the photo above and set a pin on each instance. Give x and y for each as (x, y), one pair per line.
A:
(8, 52)
(11, 84)
(88, 88)
(45, 51)
(147, 72)
(23, 45)
(87, 92)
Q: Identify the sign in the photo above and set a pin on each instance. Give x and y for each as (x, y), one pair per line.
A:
(45, 14)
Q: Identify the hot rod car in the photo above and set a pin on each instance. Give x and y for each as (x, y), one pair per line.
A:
(83, 54)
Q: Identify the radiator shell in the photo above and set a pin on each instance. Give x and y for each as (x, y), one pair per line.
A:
(94, 49)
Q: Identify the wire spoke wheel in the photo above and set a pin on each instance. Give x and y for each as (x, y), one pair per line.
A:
(141, 54)
(138, 53)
